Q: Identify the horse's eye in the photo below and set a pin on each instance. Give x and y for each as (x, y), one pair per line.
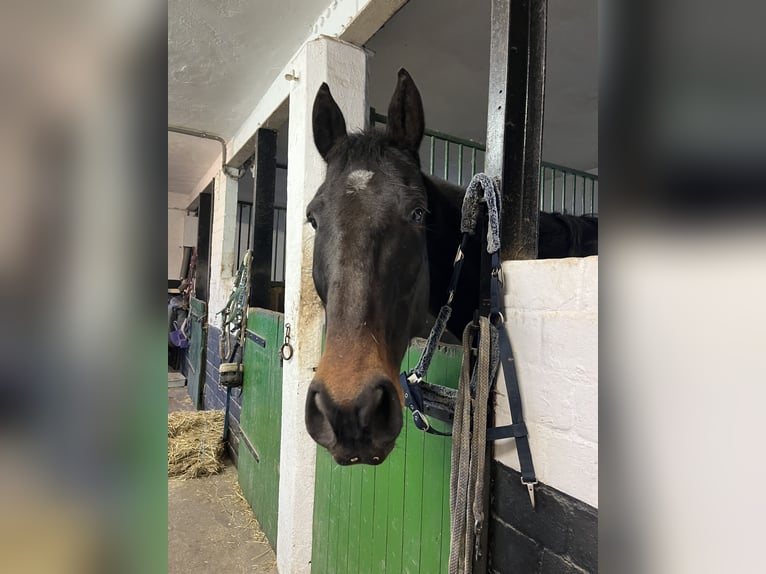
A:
(418, 214)
(312, 221)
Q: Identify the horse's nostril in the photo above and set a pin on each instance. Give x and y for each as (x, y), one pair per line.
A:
(320, 410)
(380, 411)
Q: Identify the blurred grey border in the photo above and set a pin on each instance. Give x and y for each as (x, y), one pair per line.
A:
(83, 170)
(82, 165)
(682, 283)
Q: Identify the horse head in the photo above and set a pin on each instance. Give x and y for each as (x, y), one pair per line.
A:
(370, 270)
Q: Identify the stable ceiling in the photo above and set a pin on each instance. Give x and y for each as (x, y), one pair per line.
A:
(445, 47)
(223, 55)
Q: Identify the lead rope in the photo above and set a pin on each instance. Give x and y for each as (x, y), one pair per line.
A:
(470, 434)
(469, 444)
(460, 538)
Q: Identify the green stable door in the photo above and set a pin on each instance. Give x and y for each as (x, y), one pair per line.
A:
(197, 348)
(392, 518)
(261, 418)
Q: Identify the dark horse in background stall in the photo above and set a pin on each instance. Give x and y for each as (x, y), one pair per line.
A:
(386, 235)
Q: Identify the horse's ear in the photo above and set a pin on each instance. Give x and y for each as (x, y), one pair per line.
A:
(327, 121)
(406, 121)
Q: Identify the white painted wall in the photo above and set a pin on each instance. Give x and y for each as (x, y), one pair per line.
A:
(552, 318)
(191, 227)
(223, 266)
(176, 220)
(342, 66)
(177, 203)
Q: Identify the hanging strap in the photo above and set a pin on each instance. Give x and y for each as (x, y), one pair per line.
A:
(518, 428)
(481, 188)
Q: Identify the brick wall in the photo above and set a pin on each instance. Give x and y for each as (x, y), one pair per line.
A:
(552, 318)
(560, 536)
(214, 395)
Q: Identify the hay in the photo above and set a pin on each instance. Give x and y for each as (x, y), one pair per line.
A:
(195, 443)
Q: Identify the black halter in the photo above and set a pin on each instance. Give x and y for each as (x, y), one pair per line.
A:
(419, 395)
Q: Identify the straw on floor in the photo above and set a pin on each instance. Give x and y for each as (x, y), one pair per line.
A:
(195, 443)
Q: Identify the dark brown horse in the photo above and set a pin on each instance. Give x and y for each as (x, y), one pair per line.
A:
(386, 236)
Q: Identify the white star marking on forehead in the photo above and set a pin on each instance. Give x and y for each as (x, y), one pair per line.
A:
(357, 180)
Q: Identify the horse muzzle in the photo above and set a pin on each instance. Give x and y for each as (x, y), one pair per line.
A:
(362, 430)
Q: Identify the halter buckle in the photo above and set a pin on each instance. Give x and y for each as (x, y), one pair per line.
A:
(531, 490)
(497, 273)
(417, 414)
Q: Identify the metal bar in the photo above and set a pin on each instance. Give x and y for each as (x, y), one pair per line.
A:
(274, 246)
(284, 245)
(277, 262)
(553, 190)
(514, 118)
(239, 230)
(446, 160)
(204, 239)
(474, 146)
(432, 149)
(379, 118)
(246, 220)
(583, 196)
(574, 196)
(207, 136)
(570, 170)
(262, 219)
(249, 227)
(563, 192)
(243, 438)
(593, 196)
(514, 149)
(473, 162)
(255, 338)
(460, 164)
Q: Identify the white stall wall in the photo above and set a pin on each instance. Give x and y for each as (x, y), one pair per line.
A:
(176, 220)
(552, 318)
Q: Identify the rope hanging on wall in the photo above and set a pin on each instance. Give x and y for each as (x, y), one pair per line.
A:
(469, 430)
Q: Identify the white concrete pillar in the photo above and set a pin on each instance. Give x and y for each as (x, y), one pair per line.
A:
(343, 67)
(223, 247)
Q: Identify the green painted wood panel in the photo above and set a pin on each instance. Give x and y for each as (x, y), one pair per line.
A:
(392, 518)
(261, 419)
(197, 347)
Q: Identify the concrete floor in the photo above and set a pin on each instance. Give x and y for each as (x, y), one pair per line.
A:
(210, 527)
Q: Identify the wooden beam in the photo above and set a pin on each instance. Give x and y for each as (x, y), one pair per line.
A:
(262, 216)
